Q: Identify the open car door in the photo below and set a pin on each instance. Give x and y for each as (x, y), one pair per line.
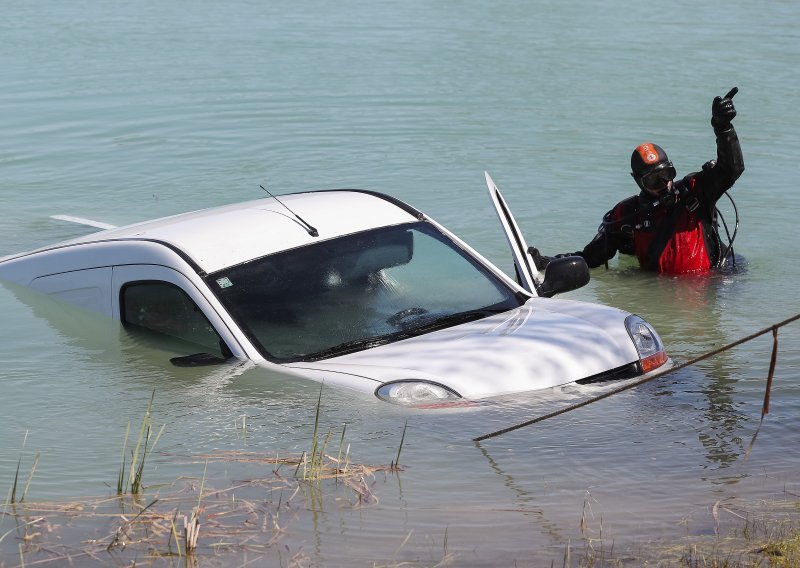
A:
(528, 273)
(562, 274)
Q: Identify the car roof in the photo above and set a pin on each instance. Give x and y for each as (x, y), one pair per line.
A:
(225, 236)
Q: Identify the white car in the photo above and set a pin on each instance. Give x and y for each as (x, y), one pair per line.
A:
(349, 287)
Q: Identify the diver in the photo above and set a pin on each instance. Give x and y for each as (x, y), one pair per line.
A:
(671, 226)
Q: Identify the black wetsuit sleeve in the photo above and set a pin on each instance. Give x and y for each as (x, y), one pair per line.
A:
(599, 251)
(605, 243)
(718, 177)
(614, 235)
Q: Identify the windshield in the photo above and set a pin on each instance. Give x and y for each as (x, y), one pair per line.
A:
(358, 291)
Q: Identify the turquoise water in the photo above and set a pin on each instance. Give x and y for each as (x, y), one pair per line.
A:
(125, 112)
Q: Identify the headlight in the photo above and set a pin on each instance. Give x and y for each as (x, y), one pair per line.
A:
(419, 394)
(647, 342)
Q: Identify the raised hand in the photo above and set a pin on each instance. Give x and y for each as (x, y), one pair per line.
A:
(723, 111)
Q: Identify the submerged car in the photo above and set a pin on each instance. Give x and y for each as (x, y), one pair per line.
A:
(350, 287)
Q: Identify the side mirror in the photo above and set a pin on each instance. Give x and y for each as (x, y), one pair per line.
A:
(564, 275)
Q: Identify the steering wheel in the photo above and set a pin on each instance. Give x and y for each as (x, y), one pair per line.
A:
(397, 319)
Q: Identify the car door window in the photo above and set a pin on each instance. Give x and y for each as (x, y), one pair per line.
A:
(165, 309)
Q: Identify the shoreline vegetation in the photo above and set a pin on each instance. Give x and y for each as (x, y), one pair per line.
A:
(188, 519)
(190, 522)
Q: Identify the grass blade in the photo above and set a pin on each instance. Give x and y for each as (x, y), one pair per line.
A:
(121, 478)
(400, 449)
(30, 477)
(16, 478)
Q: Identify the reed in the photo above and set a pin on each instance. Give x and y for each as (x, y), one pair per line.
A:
(173, 534)
(314, 439)
(139, 455)
(314, 464)
(13, 495)
(136, 478)
(339, 456)
(118, 538)
(191, 531)
(121, 476)
(191, 526)
(12, 498)
(319, 464)
(396, 463)
(301, 461)
(30, 477)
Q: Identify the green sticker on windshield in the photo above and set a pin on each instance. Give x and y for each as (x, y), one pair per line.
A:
(224, 282)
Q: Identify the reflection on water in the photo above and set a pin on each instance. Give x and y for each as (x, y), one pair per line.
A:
(524, 498)
(689, 313)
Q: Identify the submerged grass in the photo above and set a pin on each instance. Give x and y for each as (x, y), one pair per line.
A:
(146, 533)
(134, 478)
(396, 462)
(247, 517)
(12, 494)
(313, 466)
(252, 517)
(253, 521)
(766, 537)
(314, 438)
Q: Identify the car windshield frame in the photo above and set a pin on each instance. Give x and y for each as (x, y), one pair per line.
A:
(281, 295)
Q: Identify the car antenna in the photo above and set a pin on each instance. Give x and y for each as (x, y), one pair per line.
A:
(311, 230)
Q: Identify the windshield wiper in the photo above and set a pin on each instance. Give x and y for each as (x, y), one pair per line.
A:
(455, 319)
(353, 346)
(370, 342)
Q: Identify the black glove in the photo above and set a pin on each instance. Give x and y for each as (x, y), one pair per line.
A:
(539, 259)
(542, 261)
(723, 111)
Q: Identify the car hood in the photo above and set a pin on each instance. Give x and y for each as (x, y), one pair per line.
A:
(542, 344)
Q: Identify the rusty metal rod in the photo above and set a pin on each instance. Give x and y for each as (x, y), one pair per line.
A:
(773, 359)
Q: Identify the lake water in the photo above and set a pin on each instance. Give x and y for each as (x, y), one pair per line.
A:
(123, 112)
